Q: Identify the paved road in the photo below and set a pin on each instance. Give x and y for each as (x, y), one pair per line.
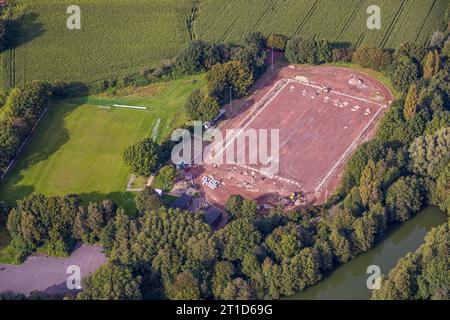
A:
(48, 274)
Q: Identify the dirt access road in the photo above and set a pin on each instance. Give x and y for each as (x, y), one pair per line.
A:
(48, 274)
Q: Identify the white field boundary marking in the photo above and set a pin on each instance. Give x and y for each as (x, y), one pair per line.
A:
(269, 78)
(24, 143)
(251, 117)
(129, 107)
(349, 150)
(339, 162)
(246, 101)
(155, 130)
(271, 176)
(338, 93)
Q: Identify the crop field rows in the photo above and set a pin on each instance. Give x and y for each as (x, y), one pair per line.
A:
(343, 21)
(118, 37)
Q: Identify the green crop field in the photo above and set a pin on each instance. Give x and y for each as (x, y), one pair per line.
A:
(78, 146)
(118, 37)
(341, 21)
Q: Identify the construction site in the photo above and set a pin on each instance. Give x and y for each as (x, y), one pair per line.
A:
(322, 114)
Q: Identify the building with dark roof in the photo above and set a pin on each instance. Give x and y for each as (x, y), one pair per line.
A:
(212, 217)
(182, 202)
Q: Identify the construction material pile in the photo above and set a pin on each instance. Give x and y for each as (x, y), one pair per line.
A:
(210, 182)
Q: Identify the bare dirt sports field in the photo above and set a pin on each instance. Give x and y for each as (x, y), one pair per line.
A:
(318, 131)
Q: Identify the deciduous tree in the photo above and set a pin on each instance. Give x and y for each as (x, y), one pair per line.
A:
(411, 103)
(183, 287)
(406, 73)
(431, 65)
(404, 198)
(277, 41)
(111, 282)
(299, 50)
(144, 157)
(430, 154)
(241, 237)
(201, 106)
(228, 75)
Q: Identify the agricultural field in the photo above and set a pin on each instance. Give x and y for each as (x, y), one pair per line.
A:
(339, 21)
(118, 37)
(78, 146)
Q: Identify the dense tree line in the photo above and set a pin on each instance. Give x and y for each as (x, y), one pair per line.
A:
(372, 57)
(20, 110)
(234, 73)
(53, 225)
(42, 223)
(111, 282)
(312, 51)
(199, 56)
(253, 54)
(421, 275)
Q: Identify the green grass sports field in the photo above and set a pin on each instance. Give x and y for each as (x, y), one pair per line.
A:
(78, 145)
(118, 37)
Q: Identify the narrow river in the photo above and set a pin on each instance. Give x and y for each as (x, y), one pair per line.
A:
(348, 281)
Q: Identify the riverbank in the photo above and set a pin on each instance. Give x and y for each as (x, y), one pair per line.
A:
(348, 281)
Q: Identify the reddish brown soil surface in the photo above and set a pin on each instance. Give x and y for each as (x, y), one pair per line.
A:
(318, 132)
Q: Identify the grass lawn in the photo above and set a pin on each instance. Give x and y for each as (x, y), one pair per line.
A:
(139, 182)
(168, 199)
(78, 146)
(158, 183)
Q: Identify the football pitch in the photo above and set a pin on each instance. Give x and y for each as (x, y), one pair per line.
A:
(78, 146)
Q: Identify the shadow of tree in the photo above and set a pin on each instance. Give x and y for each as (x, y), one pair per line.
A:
(270, 197)
(58, 290)
(123, 199)
(23, 29)
(48, 139)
